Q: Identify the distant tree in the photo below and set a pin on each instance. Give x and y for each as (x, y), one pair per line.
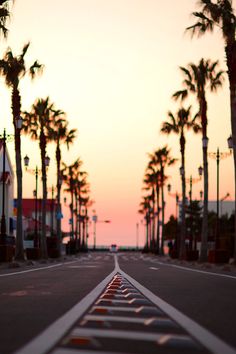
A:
(197, 79)
(220, 14)
(59, 133)
(178, 124)
(162, 159)
(13, 69)
(37, 125)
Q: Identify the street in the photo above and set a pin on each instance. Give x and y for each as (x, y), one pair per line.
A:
(34, 297)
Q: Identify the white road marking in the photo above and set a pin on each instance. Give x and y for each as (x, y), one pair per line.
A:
(124, 334)
(40, 268)
(78, 351)
(198, 270)
(206, 338)
(31, 270)
(48, 338)
(83, 266)
(154, 268)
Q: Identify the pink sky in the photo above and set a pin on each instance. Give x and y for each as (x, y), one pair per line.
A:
(113, 66)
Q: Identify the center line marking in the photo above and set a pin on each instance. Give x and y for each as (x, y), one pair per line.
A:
(154, 268)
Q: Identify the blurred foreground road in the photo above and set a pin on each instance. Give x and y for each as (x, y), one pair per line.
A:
(32, 298)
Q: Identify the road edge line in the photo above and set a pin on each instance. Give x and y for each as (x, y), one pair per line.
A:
(47, 339)
(202, 335)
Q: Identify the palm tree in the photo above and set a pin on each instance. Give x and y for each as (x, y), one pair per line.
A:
(178, 125)
(81, 189)
(197, 79)
(4, 16)
(221, 15)
(70, 176)
(145, 209)
(162, 159)
(13, 69)
(60, 134)
(37, 125)
(152, 183)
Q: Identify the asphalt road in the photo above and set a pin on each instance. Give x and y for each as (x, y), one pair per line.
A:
(31, 299)
(206, 298)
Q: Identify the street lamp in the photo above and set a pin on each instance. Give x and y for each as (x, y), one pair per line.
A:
(200, 170)
(181, 171)
(205, 141)
(230, 142)
(36, 172)
(5, 137)
(94, 218)
(218, 156)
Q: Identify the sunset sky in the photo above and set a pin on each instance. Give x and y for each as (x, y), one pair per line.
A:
(112, 66)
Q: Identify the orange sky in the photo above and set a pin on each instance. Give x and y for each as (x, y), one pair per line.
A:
(113, 66)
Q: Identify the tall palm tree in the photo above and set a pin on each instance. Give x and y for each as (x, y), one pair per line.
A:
(4, 16)
(162, 159)
(197, 79)
(60, 134)
(178, 124)
(221, 15)
(37, 125)
(152, 184)
(13, 69)
(145, 209)
(82, 189)
(70, 174)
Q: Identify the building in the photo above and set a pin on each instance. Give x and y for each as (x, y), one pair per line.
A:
(6, 182)
(33, 223)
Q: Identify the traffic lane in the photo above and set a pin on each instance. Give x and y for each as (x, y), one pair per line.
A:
(207, 299)
(30, 302)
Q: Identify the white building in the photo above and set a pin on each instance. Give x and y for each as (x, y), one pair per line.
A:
(7, 182)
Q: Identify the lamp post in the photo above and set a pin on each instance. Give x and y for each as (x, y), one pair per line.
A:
(137, 236)
(94, 218)
(176, 196)
(218, 156)
(35, 172)
(5, 137)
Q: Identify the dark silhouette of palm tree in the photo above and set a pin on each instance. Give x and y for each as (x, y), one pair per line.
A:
(37, 125)
(13, 69)
(60, 134)
(197, 79)
(162, 159)
(221, 15)
(4, 16)
(178, 124)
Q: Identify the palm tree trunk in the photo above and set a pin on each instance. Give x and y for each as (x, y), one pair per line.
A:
(16, 108)
(157, 223)
(58, 159)
(163, 211)
(43, 245)
(153, 220)
(204, 238)
(231, 63)
(183, 221)
(19, 226)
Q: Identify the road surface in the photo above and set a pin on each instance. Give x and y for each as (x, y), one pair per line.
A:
(124, 303)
